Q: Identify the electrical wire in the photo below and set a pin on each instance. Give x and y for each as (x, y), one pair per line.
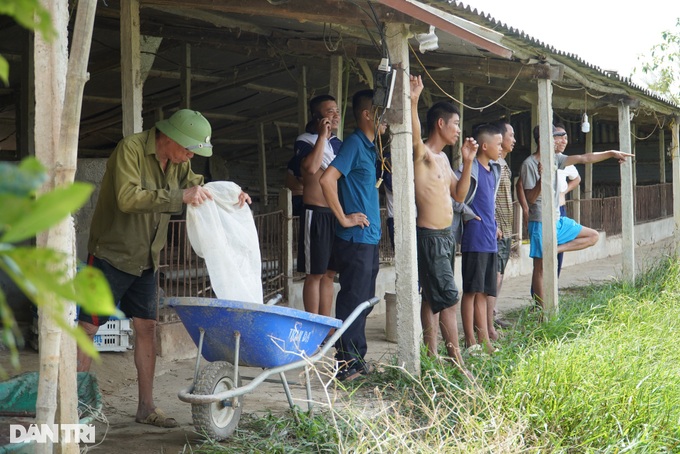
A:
(328, 40)
(384, 165)
(456, 100)
(385, 49)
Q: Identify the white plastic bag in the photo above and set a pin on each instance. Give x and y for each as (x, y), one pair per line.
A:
(224, 235)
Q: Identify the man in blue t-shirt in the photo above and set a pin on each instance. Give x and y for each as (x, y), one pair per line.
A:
(349, 188)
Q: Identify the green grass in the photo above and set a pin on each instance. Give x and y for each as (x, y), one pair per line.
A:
(601, 376)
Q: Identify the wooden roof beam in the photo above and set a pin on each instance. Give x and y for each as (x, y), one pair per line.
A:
(320, 11)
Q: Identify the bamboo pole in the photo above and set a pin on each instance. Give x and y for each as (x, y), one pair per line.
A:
(63, 159)
(50, 79)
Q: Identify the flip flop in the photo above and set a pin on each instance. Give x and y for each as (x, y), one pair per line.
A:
(159, 419)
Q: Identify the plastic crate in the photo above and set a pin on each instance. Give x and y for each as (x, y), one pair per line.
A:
(113, 336)
(115, 327)
(112, 342)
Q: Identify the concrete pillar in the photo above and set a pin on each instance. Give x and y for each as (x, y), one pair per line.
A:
(545, 115)
(148, 46)
(633, 150)
(409, 329)
(675, 153)
(627, 195)
(130, 67)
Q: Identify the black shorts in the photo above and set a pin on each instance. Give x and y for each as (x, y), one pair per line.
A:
(436, 253)
(315, 243)
(480, 272)
(504, 245)
(136, 295)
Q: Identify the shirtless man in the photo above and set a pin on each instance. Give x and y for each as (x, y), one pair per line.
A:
(435, 185)
(316, 148)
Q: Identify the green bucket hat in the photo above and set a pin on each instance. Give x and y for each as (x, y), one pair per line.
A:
(190, 129)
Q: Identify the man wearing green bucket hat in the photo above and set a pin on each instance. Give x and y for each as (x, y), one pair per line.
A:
(148, 178)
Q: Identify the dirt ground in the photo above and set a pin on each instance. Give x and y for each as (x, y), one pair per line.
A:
(116, 373)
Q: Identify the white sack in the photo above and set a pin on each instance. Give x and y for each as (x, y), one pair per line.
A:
(224, 235)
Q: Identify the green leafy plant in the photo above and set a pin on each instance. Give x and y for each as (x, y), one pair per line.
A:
(42, 274)
(662, 65)
(31, 15)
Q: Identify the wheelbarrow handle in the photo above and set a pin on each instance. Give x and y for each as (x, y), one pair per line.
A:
(348, 322)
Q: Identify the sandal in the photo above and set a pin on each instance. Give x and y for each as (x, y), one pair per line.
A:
(159, 419)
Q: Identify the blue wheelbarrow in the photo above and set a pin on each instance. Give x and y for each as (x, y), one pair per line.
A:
(230, 334)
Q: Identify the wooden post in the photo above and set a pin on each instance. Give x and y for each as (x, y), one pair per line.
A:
(662, 170)
(589, 167)
(130, 67)
(185, 78)
(576, 195)
(518, 218)
(59, 93)
(459, 93)
(549, 220)
(662, 156)
(262, 160)
(286, 206)
(627, 197)
(633, 150)
(302, 99)
(336, 90)
(409, 329)
(25, 112)
(534, 121)
(50, 80)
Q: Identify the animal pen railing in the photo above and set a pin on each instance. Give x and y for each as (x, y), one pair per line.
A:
(183, 273)
(652, 203)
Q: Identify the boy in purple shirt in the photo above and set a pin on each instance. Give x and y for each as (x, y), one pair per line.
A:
(478, 244)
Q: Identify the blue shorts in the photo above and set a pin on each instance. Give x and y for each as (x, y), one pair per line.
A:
(567, 230)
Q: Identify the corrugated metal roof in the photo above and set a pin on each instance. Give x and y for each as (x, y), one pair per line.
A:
(486, 19)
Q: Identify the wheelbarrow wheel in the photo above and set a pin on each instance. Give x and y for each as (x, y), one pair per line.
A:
(216, 420)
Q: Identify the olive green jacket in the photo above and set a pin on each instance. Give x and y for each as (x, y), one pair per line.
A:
(136, 199)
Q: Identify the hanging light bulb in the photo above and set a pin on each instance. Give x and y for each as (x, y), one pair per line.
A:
(585, 126)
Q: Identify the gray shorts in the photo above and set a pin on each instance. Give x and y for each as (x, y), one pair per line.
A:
(436, 252)
(504, 246)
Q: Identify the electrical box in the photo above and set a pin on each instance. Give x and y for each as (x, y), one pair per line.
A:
(383, 87)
